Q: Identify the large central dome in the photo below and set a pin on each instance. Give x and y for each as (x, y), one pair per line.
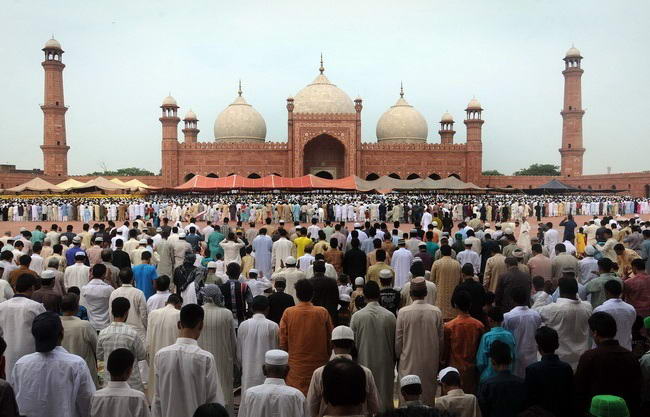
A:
(402, 123)
(240, 122)
(322, 97)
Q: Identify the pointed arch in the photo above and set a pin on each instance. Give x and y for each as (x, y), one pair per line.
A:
(212, 175)
(413, 176)
(254, 175)
(434, 176)
(455, 175)
(188, 177)
(394, 175)
(372, 176)
(324, 174)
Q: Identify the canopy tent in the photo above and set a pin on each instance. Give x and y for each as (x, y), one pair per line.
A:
(37, 185)
(311, 182)
(101, 184)
(135, 183)
(70, 183)
(271, 182)
(551, 187)
(119, 182)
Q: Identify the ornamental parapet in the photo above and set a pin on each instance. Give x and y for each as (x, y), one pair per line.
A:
(426, 147)
(235, 146)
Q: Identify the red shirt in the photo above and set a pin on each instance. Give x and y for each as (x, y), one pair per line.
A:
(637, 292)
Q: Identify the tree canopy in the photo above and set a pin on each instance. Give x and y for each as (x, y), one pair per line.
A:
(124, 172)
(540, 169)
(492, 172)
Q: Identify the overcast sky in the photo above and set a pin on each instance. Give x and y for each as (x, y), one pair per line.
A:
(123, 57)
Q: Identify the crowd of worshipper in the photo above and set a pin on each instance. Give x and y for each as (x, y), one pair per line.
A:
(347, 207)
(174, 320)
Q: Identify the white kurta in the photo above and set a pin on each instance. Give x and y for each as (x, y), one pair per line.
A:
(401, 263)
(272, 398)
(262, 246)
(76, 275)
(16, 317)
(186, 378)
(281, 250)
(255, 337)
(569, 319)
(118, 399)
(163, 331)
(138, 310)
(523, 322)
(218, 338)
(624, 315)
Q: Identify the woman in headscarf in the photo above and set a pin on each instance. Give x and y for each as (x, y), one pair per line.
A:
(189, 280)
(218, 337)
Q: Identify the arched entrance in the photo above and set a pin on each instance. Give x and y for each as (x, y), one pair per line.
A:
(455, 176)
(212, 175)
(324, 174)
(254, 175)
(188, 177)
(434, 176)
(394, 175)
(413, 177)
(325, 154)
(372, 176)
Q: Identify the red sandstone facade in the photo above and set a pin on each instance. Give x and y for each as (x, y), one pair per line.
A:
(327, 144)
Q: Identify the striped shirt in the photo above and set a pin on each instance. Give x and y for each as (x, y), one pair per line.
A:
(121, 335)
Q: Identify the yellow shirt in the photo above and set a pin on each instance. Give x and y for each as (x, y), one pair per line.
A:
(301, 243)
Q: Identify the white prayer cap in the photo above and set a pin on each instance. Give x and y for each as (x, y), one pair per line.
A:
(212, 264)
(159, 229)
(76, 239)
(80, 253)
(409, 380)
(345, 297)
(290, 260)
(359, 281)
(23, 229)
(445, 371)
(590, 250)
(357, 225)
(99, 239)
(435, 223)
(342, 333)
(47, 274)
(487, 224)
(253, 271)
(281, 221)
(64, 238)
(508, 231)
(385, 273)
(143, 241)
(276, 357)
(181, 235)
(47, 240)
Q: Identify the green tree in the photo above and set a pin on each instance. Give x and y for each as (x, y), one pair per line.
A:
(540, 169)
(124, 172)
(492, 172)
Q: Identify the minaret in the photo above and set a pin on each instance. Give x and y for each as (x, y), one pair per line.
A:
(572, 112)
(190, 132)
(474, 123)
(170, 120)
(446, 129)
(55, 148)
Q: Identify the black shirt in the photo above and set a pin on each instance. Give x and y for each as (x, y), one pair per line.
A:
(550, 385)
(354, 263)
(477, 293)
(121, 259)
(389, 298)
(326, 294)
(278, 302)
(503, 395)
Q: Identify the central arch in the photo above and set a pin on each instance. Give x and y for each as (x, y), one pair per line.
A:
(324, 154)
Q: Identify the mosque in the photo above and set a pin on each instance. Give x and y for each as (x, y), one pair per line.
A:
(324, 139)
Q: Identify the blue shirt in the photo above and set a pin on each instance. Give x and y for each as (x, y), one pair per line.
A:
(483, 362)
(144, 275)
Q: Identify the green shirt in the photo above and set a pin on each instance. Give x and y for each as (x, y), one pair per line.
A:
(596, 289)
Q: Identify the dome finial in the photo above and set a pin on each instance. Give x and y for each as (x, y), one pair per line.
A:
(321, 69)
(239, 91)
(401, 89)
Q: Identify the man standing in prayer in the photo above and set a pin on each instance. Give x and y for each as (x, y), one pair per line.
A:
(280, 251)
(624, 314)
(120, 335)
(562, 261)
(273, 397)
(522, 322)
(95, 296)
(138, 311)
(255, 337)
(374, 334)
(118, 398)
(454, 398)
(186, 375)
(595, 287)
(165, 251)
(419, 340)
(401, 263)
(16, 316)
(145, 274)
(513, 278)
(218, 337)
(494, 267)
(51, 382)
(568, 316)
(163, 331)
(291, 274)
(445, 273)
(305, 332)
(76, 275)
(263, 246)
(79, 337)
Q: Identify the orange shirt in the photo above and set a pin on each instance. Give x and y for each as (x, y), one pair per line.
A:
(305, 332)
(462, 336)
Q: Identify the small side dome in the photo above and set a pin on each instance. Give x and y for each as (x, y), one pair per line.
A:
(573, 52)
(474, 105)
(52, 44)
(240, 122)
(169, 101)
(447, 118)
(402, 123)
(190, 115)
